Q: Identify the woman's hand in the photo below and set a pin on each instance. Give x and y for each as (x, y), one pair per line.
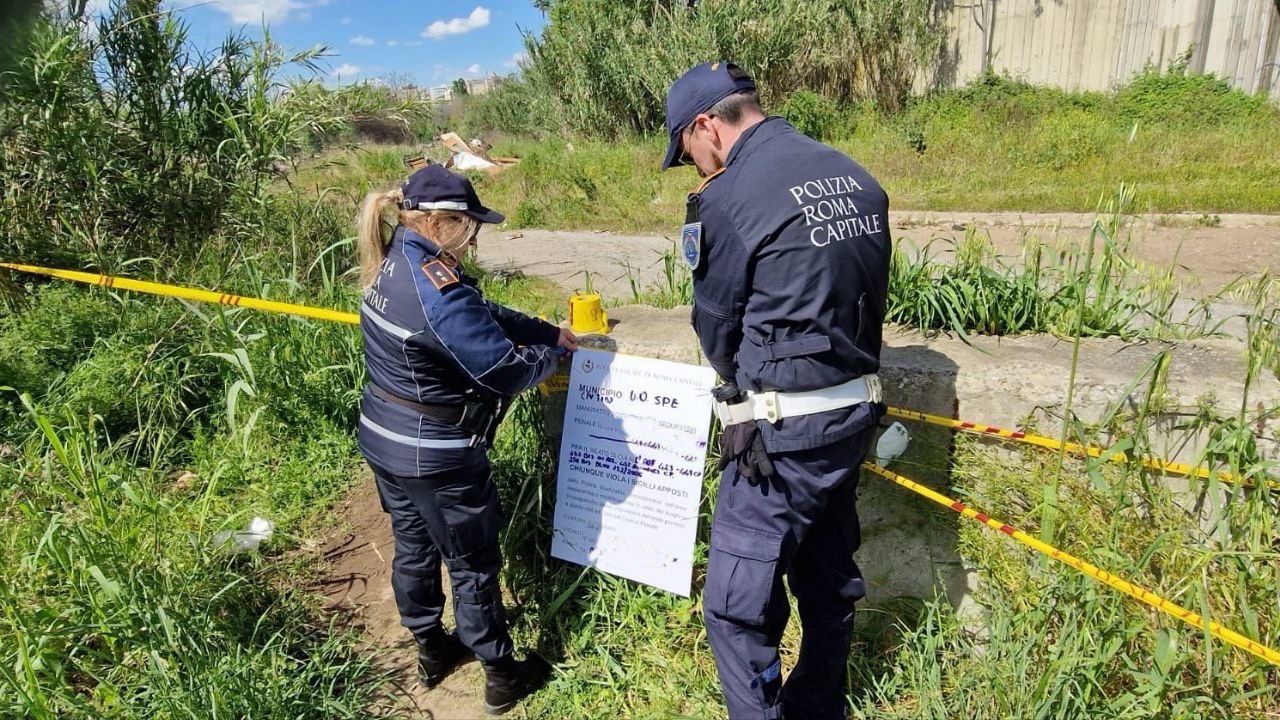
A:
(567, 340)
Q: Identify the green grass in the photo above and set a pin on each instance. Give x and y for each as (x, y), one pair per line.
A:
(616, 186)
(1059, 644)
(131, 451)
(1185, 142)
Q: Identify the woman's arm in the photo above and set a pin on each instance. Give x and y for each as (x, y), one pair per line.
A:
(465, 324)
(523, 329)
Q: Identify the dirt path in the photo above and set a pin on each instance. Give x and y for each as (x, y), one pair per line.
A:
(358, 585)
(1209, 257)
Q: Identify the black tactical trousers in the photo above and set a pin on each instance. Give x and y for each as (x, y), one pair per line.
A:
(802, 523)
(451, 514)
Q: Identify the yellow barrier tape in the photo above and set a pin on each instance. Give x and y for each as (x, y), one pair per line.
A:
(1151, 462)
(108, 281)
(1222, 633)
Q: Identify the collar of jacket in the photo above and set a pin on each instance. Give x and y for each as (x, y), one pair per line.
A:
(763, 130)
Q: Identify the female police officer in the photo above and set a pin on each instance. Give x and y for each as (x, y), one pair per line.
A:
(442, 363)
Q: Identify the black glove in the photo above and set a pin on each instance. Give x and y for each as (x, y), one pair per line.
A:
(744, 443)
(727, 393)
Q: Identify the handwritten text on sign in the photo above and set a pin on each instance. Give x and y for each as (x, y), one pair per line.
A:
(631, 464)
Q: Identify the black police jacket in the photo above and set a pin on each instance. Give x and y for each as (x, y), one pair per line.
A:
(429, 336)
(790, 288)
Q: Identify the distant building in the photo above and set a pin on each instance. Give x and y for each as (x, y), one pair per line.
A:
(444, 93)
(480, 86)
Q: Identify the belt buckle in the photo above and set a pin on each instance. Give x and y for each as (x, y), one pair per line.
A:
(874, 390)
(722, 412)
(725, 413)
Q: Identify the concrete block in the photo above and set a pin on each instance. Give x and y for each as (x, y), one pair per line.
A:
(909, 544)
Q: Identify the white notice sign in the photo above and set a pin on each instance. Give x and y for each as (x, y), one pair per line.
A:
(631, 465)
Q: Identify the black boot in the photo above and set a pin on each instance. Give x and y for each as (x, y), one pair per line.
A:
(508, 681)
(438, 653)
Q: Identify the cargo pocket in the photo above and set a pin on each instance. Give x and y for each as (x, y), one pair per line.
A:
(742, 571)
(471, 532)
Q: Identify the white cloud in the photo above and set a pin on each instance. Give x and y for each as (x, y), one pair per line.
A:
(257, 11)
(517, 60)
(392, 43)
(363, 41)
(345, 21)
(346, 70)
(474, 69)
(457, 26)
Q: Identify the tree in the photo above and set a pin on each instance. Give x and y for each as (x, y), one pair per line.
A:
(396, 81)
(459, 87)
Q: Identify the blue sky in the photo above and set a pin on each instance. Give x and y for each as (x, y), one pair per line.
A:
(431, 42)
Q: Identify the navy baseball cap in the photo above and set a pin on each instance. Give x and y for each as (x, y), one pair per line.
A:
(435, 188)
(695, 92)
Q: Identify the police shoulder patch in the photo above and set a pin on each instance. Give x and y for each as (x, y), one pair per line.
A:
(691, 244)
(440, 274)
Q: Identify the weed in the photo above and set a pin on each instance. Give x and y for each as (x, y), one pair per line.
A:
(994, 145)
(811, 113)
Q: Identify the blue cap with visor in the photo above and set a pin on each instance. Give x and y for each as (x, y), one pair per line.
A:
(435, 188)
(695, 92)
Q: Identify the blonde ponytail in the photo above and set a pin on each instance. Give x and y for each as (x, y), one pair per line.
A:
(452, 232)
(371, 241)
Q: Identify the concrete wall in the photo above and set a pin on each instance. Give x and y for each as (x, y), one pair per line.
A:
(1099, 44)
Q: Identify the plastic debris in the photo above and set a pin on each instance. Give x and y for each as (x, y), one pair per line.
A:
(473, 155)
(470, 161)
(892, 443)
(258, 532)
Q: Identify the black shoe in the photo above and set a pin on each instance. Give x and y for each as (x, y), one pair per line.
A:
(437, 655)
(508, 681)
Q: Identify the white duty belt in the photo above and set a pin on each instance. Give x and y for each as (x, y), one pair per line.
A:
(774, 406)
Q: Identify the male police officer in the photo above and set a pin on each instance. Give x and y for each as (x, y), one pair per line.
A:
(789, 244)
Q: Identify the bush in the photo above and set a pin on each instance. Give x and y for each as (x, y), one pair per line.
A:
(603, 69)
(811, 114)
(120, 141)
(514, 108)
(359, 112)
(1178, 98)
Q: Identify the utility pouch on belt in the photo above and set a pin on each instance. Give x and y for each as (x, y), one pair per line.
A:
(478, 415)
(742, 442)
(481, 416)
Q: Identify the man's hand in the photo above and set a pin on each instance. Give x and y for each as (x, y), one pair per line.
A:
(567, 340)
